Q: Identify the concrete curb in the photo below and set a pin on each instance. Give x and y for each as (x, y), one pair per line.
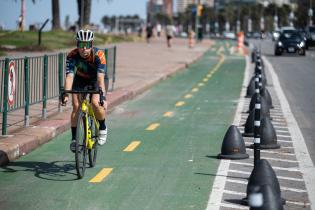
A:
(26, 140)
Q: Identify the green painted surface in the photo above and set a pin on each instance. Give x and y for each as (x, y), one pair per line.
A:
(173, 167)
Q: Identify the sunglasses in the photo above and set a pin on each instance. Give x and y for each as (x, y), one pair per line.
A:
(87, 45)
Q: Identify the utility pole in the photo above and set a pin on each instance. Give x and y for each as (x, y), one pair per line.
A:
(310, 13)
(22, 16)
(238, 22)
(82, 14)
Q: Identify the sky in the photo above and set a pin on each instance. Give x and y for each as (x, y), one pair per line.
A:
(37, 13)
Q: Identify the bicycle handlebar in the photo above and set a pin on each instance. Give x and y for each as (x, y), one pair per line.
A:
(99, 91)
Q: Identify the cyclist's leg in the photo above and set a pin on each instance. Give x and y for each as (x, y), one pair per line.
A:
(77, 85)
(100, 114)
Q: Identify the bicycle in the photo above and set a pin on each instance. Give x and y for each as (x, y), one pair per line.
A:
(87, 132)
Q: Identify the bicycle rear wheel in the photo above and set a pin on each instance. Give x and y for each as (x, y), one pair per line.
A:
(93, 151)
(80, 149)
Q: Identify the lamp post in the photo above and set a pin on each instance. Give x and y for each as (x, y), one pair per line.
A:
(310, 13)
(238, 22)
(276, 18)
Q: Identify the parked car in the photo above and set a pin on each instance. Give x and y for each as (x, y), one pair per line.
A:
(229, 35)
(310, 36)
(291, 43)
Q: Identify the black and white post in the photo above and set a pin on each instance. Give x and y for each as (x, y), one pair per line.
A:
(257, 121)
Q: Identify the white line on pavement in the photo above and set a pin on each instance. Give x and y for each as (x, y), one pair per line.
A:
(282, 188)
(278, 159)
(287, 201)
(294, 169)
(279, 177)
(232, 206)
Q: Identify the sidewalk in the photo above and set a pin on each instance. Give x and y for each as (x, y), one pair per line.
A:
(139, 66)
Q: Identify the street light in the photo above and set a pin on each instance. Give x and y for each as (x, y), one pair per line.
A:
(310, 13)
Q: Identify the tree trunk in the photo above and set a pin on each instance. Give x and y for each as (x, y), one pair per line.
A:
(87, 11)
(84, 19)
(55, 15)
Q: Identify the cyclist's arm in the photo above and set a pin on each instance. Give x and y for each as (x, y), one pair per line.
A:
(70, 65)
(100, 61)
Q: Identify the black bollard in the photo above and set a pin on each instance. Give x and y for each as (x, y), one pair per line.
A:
(265, 94)
(233, 145)
(264, 198)
(257, 129)
(268, 135)
(263, 174)
(250, 88)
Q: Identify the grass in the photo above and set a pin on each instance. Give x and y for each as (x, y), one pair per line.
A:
(52, 40)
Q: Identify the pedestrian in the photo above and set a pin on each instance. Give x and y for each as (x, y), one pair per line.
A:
(158, 29)
(149, 31)
(191, 38)
(169, 34)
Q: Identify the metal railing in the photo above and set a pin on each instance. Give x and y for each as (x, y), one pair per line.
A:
(38, 79)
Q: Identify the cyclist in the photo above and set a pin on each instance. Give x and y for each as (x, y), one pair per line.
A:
(90, 65)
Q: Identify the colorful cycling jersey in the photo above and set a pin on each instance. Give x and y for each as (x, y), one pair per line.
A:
(86, 68)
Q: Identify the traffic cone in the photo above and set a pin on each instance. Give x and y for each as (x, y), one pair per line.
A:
(264, 198)
(268, 136)
(265, 93)
(233, 146)
(263, 174)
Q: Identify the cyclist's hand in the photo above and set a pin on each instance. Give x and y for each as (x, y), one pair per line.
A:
(103, 101)
(64, 99)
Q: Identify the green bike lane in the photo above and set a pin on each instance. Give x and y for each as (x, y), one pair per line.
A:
(178, 125)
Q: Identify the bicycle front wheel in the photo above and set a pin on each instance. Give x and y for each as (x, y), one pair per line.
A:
(80, 149)
(93, 151)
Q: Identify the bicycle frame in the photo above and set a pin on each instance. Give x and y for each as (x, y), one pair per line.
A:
(86, 107)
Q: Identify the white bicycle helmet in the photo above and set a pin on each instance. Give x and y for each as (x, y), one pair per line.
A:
(85, 35)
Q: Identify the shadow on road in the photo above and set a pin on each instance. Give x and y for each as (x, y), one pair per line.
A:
(54, 171)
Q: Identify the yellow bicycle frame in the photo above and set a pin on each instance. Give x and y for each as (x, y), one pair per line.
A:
(86, 107)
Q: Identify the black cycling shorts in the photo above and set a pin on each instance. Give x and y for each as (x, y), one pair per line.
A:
(79, 84)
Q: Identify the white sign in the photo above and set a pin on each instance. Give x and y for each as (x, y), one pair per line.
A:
(11, 83)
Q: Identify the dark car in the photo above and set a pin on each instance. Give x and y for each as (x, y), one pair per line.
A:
(310, 36)
(290, 42)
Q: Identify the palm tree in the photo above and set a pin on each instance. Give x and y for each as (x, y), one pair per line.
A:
(84, 11)
(55, 15)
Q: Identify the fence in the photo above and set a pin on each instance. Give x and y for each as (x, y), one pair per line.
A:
(35, 80)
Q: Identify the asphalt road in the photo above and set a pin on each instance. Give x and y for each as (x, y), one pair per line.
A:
(297, 75)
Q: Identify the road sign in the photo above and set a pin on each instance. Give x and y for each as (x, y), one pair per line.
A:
(11, 83)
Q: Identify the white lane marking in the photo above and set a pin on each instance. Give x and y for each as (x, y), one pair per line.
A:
(280, 127)
(278, 159)
(302, 154)
(285, 136)
(279, 177)
(280, 131)
(282, 188)
(294, 169)
(276, 152)
(284, 141)
(233, 206)
(244, 194)
(298, 203)
(216, 194)
(234, 192)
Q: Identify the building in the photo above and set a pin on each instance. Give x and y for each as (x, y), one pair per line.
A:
(168, 7)
(181, 5)
(155, 7)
